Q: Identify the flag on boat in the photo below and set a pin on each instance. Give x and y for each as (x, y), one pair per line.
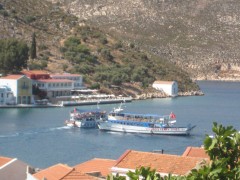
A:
(172, 115)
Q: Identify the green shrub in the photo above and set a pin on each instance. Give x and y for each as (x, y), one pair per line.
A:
(95, 86)
(103, 40)
(106, 54)
(72, 42)
(42, 47)
(29, 19)
(4, 13)
(118, 45)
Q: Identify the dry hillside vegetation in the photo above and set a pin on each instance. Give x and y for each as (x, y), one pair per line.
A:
(201, 36)
(67, 43)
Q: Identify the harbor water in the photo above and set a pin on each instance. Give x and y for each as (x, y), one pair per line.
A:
(38, 136)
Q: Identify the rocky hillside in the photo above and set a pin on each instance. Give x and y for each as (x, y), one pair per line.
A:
(201, 36)
(71, 44)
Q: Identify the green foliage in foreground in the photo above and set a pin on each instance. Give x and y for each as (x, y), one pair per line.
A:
(223, 150)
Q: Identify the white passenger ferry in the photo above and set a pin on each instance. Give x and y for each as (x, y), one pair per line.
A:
(143, 123)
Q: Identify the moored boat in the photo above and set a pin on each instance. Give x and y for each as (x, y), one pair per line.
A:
(143, 123)
(86, 119)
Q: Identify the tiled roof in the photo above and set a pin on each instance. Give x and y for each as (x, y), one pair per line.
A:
(195, 152)
(4, 160)
(64, 75)
(163, 82)
(54, 80)
(162, 163)
(97, 165)
(62, 172)
(13, 76)
(75, 174)
(55, 172)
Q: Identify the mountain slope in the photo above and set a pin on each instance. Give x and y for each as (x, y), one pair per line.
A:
(201, 36)
(101, 57)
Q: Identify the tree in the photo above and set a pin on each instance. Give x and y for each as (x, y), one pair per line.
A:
(224, 151)
(13, 55)
(33, 49)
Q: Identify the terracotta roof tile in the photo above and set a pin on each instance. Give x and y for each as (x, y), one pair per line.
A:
(4, 160)
(96, 165)
(13, 76)
(195, 152)
(55, 172)
(163, 163)
(59, 75)
(75, 174)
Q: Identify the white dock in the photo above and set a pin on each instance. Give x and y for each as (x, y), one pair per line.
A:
(96, 101)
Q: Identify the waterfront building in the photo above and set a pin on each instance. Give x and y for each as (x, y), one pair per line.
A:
(12, 169)
(6, 96)
(55, 87)
(170, 88)
(21, 87)
(76, 78)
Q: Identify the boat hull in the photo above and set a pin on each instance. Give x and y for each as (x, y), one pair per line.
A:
(81, 124)
(108, 126)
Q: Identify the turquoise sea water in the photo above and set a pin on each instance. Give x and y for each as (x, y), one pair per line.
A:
(39, 137)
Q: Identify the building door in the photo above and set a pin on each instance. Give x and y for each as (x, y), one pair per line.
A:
(29, 99)
(19, 101)
(24, 100)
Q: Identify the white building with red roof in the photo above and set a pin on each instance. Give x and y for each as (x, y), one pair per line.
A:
(76, 78)
(170, 88)
(55, 87)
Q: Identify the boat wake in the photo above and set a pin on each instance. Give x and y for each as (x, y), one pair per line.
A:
(59, 128)
(9, 135)
(31, 132)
